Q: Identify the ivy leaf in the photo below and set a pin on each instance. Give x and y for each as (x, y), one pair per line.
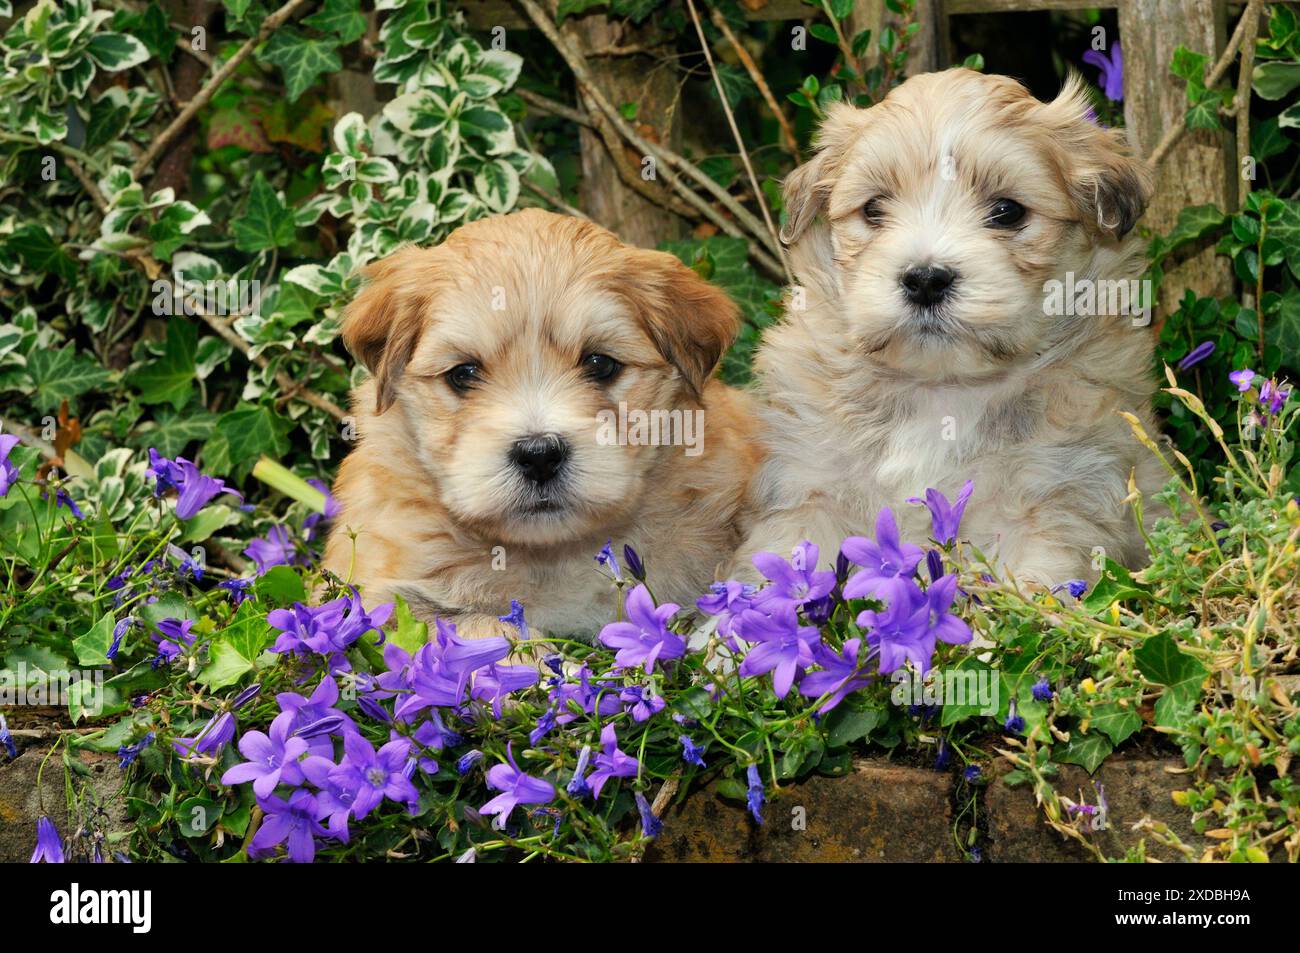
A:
(115, 52)
(151, 28)
(1087, 751)
(39, 252)
(1161, 660)
(411, 634)
(301, 58)
(846, 725)
(343, 18)
(266, 223)
(1115, 585)
(497, 184)
(1274, 79)
(173, 431)
(62, 375)
(170, 379)
(235, 649)
(280, 586)
(250, 431)
(92, 647)
(1115, 722)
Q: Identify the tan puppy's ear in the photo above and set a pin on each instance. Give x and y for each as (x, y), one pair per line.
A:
(383, 323)
(691, 321)
(806, 190)
(1109, 185)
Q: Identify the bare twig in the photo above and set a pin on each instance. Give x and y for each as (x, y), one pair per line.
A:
(554, 108)
(187, 46)
(1175, 131)
(204, 95)
(555, 201)
(1241, 103)
(755, 74)
(669, 160)
(740, 142)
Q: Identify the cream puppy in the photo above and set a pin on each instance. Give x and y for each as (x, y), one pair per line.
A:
(495, 459)
(966, 310)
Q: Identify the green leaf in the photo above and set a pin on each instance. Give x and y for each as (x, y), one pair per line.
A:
(251, 430)
(196, 815)
(39, 252)
(92, 647)
(280, 586)
(62, 375)
(1087, 751)
(1161, 660)
(235, 649)
(846, 725)
(497, 184)
(411, 634)
(301, 58)
(1275, 79)
(116, 51)
(1115, 722)
(1115, 585)
(266, 223)
(170, 379)
(343, 18)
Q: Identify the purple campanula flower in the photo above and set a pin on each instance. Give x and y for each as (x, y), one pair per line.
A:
(972, 773)
(611, 762)
(8, 472)
(334, 802)
(516, 618)
(650, 824)
(784, 647)
(1196, 355)
(194, 490)
(314, 519)
(1242, 378)
(246, 696)
(272, 758)
(119, 633)
(592, 698)
(1014, 724)
(727, 600)
(49, 846)
(839, 675)
(319, 707)
(900, 632)
(497, 682)
(238, 588)
(61, 498)
(1112, 70)
(294, 823)
(691, 752)
(174, 632)
(435, 735)
(934, 564)
(212, 737)
(544, 726)
(644, 639)
(1076, 587)
(887, 562)
(943, 755)
(795, 582)
(1042, 690)
(754, 795)
(606, 558)
(632, 559)
(276, 548)
(126, 754)
(326, 629)
(516, 787)
(943, 624)
(1272, 396)
(641, 702)
(373, 776)
(578, 785)
(7, 739)
(465, 763)
(946, 517)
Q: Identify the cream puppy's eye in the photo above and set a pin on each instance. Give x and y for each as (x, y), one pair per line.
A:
(600, 367)
(464, 377)
(874, 211)
(1005, 213)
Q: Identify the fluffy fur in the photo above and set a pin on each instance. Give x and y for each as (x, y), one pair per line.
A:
(441, 514)
(871, 399)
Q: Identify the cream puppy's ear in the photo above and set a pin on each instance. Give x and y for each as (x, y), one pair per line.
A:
(807, 189)
(690, 321)
(1108, 184)
(383, 323)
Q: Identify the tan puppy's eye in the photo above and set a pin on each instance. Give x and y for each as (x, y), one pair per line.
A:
(874, 211)
(600, 367)
(1005, 213)
(464, 377)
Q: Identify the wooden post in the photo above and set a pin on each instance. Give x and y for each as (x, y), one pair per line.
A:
(1200, 168)
(928, 48)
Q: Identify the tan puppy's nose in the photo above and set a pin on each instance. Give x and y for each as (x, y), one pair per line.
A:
(927, 285)
(539, 456)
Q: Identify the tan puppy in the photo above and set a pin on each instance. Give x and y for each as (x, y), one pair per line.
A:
(961, 249)
(492, 465)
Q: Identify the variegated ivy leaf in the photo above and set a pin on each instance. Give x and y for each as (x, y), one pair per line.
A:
(417, 222)
(326, 281)
(421, 113)
(501, 65)
(309, 212)
(351, 137)
(116, 51)
(193, 265)
(497, 184)
(488, 128)
(376, 170)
